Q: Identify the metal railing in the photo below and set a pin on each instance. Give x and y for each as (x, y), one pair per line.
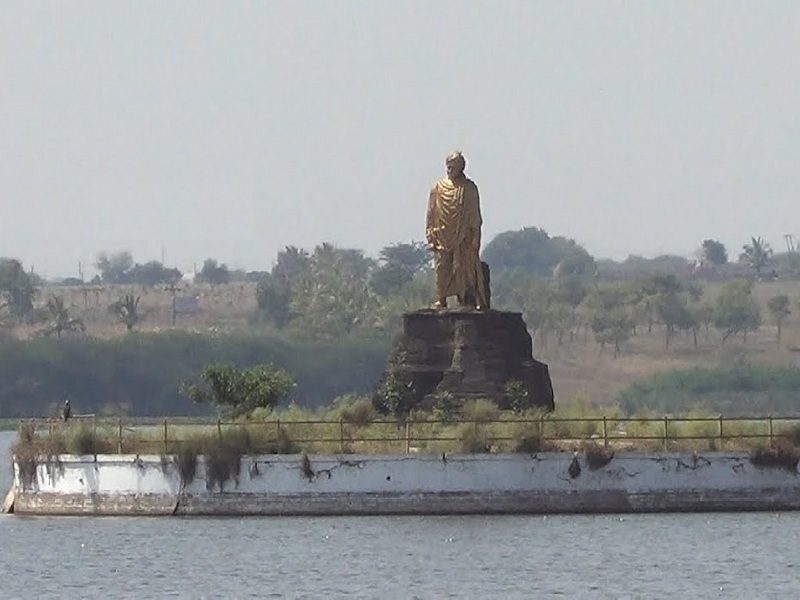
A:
(168, 435)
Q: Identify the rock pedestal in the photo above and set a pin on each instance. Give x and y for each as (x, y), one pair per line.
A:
(468, 353)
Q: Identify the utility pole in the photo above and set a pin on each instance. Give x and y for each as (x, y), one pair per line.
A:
(790, 247)
(174, 289)
(84, 291)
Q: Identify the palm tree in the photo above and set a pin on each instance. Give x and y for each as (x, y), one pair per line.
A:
(126, 310)
(59, 320)
(757, 254)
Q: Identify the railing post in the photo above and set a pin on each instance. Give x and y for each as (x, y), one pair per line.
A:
(408, 437)
(605, 432)
(666, 431)
(166, 448)
(541, 427)
(278, 428)
(341, 435)
(219, 429)
(119, 439)
(721, 433)
(771, 432)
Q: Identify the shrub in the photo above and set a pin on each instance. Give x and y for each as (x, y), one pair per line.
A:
(702, 430)
(597, 456)
(516, 396)
(395, 396)
(26, 433)
(260, 413)
(472, 440)
(783, 456)
(578, 429)
(280, 443)
(525, 438)
(732, 388)
(644, 429)
(83, 440)
(792, 435)
(26, 456)
(357, 410)
(480, 410)
(444, 406)
(30, 449)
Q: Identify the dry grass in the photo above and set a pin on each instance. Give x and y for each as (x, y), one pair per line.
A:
(223, 307)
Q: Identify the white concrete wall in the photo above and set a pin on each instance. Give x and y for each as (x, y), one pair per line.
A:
(628, 479)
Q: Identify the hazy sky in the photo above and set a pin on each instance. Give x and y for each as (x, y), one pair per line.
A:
(231, 129)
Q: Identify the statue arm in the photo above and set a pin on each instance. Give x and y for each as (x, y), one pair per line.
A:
(430, 218)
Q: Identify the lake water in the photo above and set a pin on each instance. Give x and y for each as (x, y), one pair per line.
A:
(743, 555)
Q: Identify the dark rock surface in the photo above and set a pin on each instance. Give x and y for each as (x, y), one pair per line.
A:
(469, 353)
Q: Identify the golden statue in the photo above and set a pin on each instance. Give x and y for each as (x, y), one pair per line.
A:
(453, 230)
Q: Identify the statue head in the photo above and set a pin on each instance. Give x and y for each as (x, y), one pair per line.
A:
(455, 164)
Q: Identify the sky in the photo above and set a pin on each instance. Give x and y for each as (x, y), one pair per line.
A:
(233, 129)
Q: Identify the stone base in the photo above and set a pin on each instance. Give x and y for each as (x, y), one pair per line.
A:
(469, 353)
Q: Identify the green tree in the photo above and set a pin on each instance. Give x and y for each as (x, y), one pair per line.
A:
(737, 311)
(757, 254)
(213, 273)
(572, 279)
(59, 320)
(17, 289)
(674, 314)
(277, 288)
(704, 316)
(612, 326)
(561, 319)
(714, 252)
(126, 309)
(610, 315)
(779, 309)
(115, 267)
(335, 298)
(651, 293)
(237, 392)
(536, 309)
(399, 264)
(531, 250)
(152, 273)
(395, 396)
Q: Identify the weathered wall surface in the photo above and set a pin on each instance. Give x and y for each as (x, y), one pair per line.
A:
(403, 484)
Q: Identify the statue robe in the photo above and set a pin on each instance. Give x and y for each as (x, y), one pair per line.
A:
(453, 229)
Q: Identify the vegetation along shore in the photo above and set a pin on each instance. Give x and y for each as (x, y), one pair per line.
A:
(664, 335)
